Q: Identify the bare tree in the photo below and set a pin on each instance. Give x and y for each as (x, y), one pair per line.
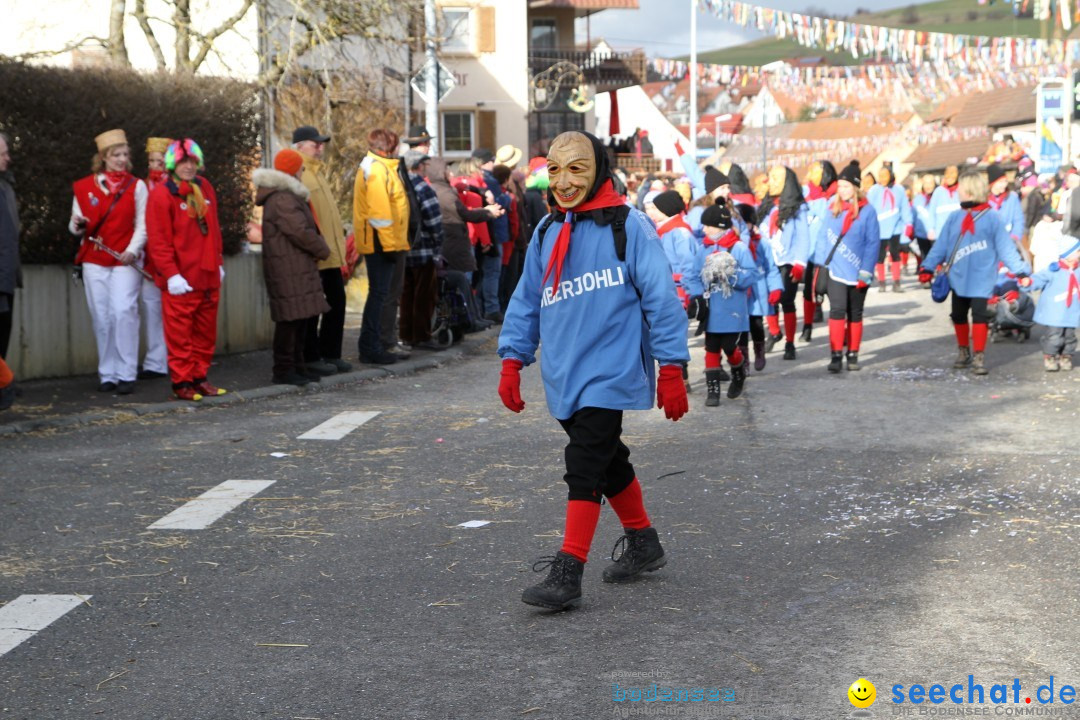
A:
(116, 46)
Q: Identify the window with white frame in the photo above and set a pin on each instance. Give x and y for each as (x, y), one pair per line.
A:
(457, 30)
(458, 133)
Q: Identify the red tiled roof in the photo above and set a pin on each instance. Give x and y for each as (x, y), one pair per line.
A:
(940, 155)
(1004, 106)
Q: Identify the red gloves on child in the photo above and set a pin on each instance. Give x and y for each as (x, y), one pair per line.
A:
(510, 385)
(797, 272)
(925, 275)
(774, 297)
(861, 285)
(671, 392)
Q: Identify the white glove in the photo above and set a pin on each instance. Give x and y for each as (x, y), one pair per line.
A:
(178, 285)
(221, 269)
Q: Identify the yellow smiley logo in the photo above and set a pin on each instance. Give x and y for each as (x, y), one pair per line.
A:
(862, 693)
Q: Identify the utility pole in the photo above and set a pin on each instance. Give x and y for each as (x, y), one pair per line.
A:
(693, 80)
(431, 79)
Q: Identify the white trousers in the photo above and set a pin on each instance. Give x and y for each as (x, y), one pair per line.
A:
(112, 293)
(157, 357)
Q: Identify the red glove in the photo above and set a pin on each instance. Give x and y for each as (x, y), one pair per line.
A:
(861, 285)
(679, 149)
(510, 385)
(925, 275)
(671, 392)
(910, 231)
(797, 272)
(1024, 282)
(774, 297)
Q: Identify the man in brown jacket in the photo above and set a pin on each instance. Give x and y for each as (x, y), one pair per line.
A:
(292, 249)
(322, 346)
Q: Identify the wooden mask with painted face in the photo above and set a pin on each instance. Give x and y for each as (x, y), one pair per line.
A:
(813, 175)
(777, 178)
(571, 168)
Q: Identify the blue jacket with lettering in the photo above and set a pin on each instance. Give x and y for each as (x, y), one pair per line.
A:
(608, 321)
(1011, 212)
(943, 203)
(858, 249)
(728, 314)
(768, 280)
(791, 243)
(1054, 308)
(974, 270)
(920, 211)
(893, 210)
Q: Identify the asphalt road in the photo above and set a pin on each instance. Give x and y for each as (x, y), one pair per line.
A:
(907, 524)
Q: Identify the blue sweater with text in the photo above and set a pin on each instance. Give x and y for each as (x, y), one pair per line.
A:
(893, 209)
(858, 249)
(974, 270)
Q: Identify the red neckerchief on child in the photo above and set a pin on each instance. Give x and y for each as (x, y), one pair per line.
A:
(951, 189)
(605, 197)
(926, 197)
(725, 241)
(996, 201)
(968, 224)
(849, 218)
(755, 240)
(816, 192)
(774, 218)
(672, 223)
(114, 180)
(1074, 283)
(890, 201)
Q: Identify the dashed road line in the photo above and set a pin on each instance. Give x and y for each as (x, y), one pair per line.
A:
(200, 513)
(26, 615)
(339, 426)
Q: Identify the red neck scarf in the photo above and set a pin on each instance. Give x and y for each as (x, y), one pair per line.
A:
(115, 180)
(849, 218)
(816, 192)
(967, 226)
(996, 201)
(745, 199)
(888, 200)
(951, 189)
(755, 240)
(1074, 287)
(605, 197)
(676, 222)
(725, 241)
(925, 197)
(155, 178)
(774, 218)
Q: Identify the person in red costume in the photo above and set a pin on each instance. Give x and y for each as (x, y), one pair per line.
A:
(597, 290)
(108, 213)
(184, 241)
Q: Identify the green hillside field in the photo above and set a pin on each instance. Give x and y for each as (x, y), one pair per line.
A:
(949, 16)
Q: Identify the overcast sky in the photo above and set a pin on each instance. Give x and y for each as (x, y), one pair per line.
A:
(662, 27)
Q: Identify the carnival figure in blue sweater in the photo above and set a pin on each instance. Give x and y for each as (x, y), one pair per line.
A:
(819, 191)
(895, 224)
(969, 248)
(848, 241)
(784, 226)
(597, 296)
(1058, 309)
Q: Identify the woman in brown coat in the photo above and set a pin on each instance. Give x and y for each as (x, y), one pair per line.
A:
(292, 248)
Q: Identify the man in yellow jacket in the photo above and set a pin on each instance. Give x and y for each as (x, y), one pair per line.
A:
(322, 343)
(380, 226)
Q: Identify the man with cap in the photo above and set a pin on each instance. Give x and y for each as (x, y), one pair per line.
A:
(322, 341)
(420, 288)
(419, 139)
(491, 268)
(155, 363)
(1005, 203)
(109, 207)
(597, 291)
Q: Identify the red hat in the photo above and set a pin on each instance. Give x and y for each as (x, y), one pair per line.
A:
(288, 161)
(536, 163)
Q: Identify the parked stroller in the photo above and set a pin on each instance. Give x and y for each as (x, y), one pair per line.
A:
(450, 320)
(1014, 312)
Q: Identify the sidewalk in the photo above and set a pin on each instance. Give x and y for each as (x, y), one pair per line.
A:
(72, 401)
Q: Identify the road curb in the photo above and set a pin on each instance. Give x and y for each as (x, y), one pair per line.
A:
(474, 344)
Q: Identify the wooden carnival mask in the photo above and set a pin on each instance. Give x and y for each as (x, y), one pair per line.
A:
(777, 180)
(571, 168)
(813, 175)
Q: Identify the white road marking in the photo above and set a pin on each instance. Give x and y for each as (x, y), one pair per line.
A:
(24, 616)
(200, 513)
(339, 426)
(474, 523)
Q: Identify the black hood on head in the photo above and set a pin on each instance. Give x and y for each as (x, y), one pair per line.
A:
(828, 174)
(791, 200)
(740, 185)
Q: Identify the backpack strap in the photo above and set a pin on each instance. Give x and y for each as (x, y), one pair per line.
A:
(544, 225)
(618, 230)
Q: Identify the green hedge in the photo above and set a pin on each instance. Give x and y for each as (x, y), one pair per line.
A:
(52, 115)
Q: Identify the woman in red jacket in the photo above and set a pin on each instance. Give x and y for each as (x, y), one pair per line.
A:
(184, 241)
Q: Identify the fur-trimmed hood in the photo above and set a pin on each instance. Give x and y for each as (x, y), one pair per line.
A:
(268, 181)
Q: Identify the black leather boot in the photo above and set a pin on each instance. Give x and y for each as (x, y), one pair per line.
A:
(712, 385)
(738, 377)
(837, 362)
(641, 553)
(561, 589)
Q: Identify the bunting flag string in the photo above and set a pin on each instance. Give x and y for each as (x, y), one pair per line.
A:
(916, 47)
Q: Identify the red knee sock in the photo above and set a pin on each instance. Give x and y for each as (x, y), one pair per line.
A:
(630, 507)
(581, 519)
(880, 268)
(904, 257)
(735, 358)
(855, 339)
(790, 326)
(836, 335)
(712, 360)
(774, 324)
(978, 336)
(6, 376)
(895, 271)
(961, 334)
(807, 312)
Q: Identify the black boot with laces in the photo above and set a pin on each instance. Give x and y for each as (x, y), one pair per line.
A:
(641, 552)
(561, 589)
(712, 386)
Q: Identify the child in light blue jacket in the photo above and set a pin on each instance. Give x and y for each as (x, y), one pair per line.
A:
(1058, 308)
